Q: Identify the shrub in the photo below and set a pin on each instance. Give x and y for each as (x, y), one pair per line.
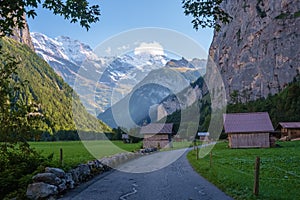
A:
(18, 163)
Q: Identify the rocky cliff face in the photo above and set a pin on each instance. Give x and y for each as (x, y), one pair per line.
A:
(22, 35)
(257, 53)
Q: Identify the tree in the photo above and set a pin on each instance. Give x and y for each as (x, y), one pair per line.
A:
(234, 97)
(15, 123)
(12, 12)
(206, 13)
(18, 161)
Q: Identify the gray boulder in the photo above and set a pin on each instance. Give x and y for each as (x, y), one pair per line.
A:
(58, 172)
(69, 180)
(75, 174)
(62, 186)
(41, 190)
(47, 178)
(84, 171)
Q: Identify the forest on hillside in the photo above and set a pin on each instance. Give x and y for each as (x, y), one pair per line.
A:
(59, 107)
(282, 107)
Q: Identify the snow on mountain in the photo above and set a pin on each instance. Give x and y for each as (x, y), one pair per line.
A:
(62, 47)
(103, 81)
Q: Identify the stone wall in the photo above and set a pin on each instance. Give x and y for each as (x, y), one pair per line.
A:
(54, 181)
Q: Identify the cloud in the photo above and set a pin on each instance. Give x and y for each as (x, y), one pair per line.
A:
(124, 47)
(108, 50)
(153, 48)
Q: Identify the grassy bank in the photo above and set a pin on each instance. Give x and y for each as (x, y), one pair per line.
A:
(232, 170)
(75, 152)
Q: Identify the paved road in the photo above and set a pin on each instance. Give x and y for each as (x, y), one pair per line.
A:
(177, 181)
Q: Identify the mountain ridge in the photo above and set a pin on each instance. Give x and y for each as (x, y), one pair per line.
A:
(60, 106)
(113, 77)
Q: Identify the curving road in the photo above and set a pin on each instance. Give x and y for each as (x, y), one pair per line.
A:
(167, 176)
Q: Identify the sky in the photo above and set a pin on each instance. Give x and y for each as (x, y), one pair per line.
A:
(118, 16)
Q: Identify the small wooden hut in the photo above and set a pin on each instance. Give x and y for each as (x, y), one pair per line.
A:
(157, 135)
(248, 130)
(203, 136)
(289, 130)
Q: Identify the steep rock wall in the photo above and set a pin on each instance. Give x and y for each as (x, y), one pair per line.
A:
(258, 52)
(22, 35)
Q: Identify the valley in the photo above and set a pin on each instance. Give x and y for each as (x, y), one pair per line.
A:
(136, 108)
(118, 79)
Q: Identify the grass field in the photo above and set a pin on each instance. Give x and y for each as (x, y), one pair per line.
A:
(178, 145)
(76, 152)
(233, 170)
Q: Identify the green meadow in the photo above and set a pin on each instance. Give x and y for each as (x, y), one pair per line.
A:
(76, 152)
(232, 170)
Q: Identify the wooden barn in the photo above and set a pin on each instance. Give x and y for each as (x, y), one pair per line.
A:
(203, 136)
(289, 130)
(157, 135)
(248, 130)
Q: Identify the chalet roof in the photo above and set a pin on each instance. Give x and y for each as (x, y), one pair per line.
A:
(157, 128)
(289, 124)
(247, 122)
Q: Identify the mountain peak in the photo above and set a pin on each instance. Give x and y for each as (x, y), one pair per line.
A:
(22, 35)
(178, 63)
(62, 47)
(112, 76)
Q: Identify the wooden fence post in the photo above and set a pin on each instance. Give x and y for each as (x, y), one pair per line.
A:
(61, 160)
(210, 159)
(256, 176)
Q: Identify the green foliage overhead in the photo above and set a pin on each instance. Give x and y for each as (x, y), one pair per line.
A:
(206, 13)
(55, 100)
(12, 12)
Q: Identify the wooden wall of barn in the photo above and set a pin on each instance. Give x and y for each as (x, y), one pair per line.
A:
(291, 133)
(249, 140)
(157, 141)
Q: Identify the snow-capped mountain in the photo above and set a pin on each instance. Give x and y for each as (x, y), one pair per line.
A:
(66, 56)
(62, 47)
(103, 81)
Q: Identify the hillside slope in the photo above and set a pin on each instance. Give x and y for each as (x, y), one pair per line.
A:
(58, 103)
(282, 107)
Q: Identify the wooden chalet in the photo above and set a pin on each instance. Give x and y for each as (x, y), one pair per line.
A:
(157, 135)
(203, 136)
(248, 130)
(289, 130)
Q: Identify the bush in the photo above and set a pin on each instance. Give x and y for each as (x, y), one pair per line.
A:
(18, 163)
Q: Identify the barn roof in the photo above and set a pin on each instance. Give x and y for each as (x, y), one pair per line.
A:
(157, 128)
(247, 122)
(289, 124)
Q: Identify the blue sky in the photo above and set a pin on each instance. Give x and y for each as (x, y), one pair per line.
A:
(122, 15)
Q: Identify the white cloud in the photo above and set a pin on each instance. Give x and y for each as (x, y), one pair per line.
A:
(124, 47)
(153, 48)
(108, 50)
